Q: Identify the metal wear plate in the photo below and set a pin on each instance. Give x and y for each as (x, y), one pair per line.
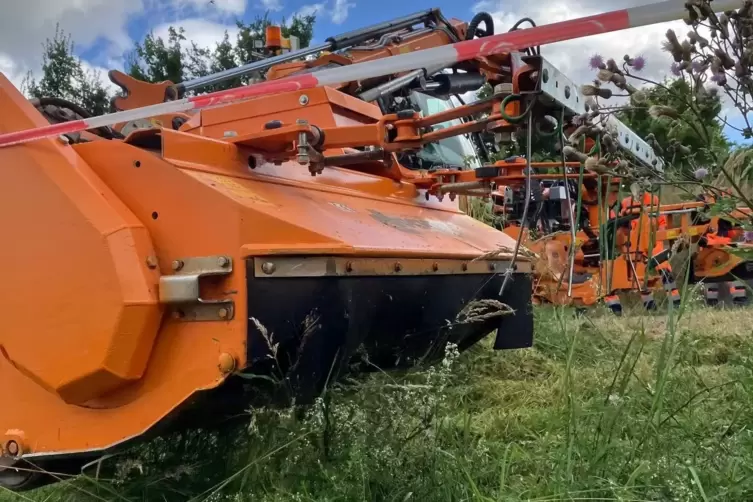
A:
(182, 290)
(323, 266)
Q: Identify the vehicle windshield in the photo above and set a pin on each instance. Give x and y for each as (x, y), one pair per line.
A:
(457, 151)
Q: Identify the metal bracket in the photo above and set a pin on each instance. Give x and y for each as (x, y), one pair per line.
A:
(555, 85)
(182, 289)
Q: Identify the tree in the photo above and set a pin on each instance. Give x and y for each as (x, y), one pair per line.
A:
(695, 125)
(64, 76)
(153, 60)
(156, 60)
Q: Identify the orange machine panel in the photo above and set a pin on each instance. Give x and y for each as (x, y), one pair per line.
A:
(75, 253)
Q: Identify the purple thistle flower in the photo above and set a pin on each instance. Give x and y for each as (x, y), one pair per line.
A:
(595, 62)
(639, 63)
(697, 67)
(701, 173)
(675, 69)
(719, 78)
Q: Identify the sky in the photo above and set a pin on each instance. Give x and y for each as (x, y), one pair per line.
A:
(105, 30)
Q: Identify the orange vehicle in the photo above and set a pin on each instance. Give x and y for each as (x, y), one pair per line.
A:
(150, 265)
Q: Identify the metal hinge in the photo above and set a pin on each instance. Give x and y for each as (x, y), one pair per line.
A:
(182, 289)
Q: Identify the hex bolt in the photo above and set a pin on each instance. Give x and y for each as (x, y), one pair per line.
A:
(222, 313)
(12, 447)
(151, 262)
(268, 267)
(177, 265)
(349, 266)
(435, 266)
(464, 266)
(223, 261)
(398, 267)
(492, 266)
(303, 100)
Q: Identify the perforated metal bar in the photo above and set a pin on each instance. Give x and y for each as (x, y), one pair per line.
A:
(558, 87)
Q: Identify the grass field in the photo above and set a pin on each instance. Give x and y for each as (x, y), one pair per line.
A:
(602, 408)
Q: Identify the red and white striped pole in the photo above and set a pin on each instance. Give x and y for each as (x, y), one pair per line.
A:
(644, 15)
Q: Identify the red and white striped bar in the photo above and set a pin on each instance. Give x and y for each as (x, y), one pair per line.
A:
(644, 15)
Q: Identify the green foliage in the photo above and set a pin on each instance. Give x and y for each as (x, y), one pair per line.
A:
(156, 60)
(64, 76)
(697, 126)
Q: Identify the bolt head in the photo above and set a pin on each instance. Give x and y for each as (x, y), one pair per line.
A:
(222, 313)
(303, 100)
(349, 267)
(464, 266)
(177, 265)
(178, 314)
(226, 363)
(268, 267)
(398, 267)
(223, 261)
(12, 448)
(435, 267)
(151, 262)
(492, 266)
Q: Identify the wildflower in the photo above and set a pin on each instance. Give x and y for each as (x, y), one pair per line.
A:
(639, 63)
(596, 62)
(675, 69)
(581, 119)
(719, 78)
(639, 97)
(592, 90)
(673, 46)
(658, 111)
(748, 235)
(700, 173)
(699, 67)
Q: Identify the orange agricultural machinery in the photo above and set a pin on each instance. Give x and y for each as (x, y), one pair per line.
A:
(622, 245)
(151, 265)
(159, 258)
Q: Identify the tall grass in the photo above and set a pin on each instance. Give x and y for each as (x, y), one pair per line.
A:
(601, 408)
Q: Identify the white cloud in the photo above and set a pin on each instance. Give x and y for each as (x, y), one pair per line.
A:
(310, 10)
(11, 70)
(340, 11)
(272, 5)
(204, 33)
(337, 14)
(25, 24)
(234, 7)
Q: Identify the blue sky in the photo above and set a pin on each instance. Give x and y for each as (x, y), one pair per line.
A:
(105, 30)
